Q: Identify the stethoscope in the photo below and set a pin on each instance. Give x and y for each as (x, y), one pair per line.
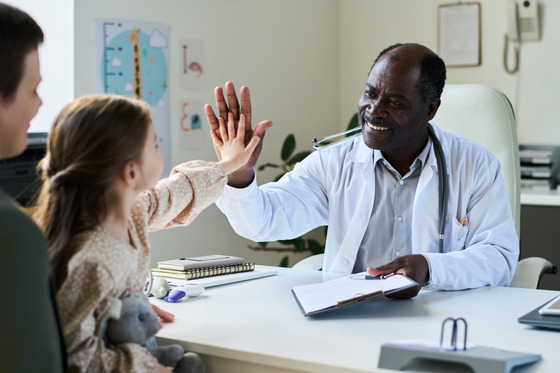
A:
(440, 159)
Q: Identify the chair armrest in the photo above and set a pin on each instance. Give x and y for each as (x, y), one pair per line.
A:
(529, 272)
(313, 262)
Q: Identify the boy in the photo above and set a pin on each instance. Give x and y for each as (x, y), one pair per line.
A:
(31, 337)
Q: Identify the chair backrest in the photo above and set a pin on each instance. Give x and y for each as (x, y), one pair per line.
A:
(484, 115)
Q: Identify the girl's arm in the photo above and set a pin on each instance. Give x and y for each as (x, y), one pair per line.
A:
(195, 185)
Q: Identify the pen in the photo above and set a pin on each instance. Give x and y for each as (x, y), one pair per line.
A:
(463, 227)
(370, 277)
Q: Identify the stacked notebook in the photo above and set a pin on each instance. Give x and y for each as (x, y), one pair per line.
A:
(201, 267)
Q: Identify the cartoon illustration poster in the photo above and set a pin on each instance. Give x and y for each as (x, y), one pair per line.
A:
(192, 64)
(191, 134)
(133, 60)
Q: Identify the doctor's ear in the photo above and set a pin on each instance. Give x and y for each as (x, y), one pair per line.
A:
(432, 108)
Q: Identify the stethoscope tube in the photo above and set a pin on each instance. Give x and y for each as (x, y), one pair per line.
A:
(443, 185)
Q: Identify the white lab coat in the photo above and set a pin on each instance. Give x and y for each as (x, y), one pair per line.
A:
(335, 186)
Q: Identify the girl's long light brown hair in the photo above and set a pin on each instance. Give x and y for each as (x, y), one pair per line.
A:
(89, 143)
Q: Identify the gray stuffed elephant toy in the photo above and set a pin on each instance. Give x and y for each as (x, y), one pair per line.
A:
(132, 320)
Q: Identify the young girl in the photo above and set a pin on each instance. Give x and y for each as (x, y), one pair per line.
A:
(100, 198)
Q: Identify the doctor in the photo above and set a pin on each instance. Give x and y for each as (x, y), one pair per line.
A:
(379, 193)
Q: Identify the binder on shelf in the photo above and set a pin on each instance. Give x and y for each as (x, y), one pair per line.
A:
(414, 355)
(540, 166)
(536, 172)
(531, 155)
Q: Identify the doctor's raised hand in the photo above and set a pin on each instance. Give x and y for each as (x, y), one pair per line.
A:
(244, 176)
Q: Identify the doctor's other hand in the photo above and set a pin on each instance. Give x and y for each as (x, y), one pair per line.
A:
(244, 176)
(413, 266)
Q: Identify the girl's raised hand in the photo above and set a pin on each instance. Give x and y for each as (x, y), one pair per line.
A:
(231, 150)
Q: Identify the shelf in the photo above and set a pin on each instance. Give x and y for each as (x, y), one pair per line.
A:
(540, 197)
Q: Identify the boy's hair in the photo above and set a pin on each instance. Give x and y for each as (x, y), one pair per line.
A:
(90, 142)
(19, 35)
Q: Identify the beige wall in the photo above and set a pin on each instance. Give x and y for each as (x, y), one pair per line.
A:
(306, 62)
(285, 51)
(367, 26)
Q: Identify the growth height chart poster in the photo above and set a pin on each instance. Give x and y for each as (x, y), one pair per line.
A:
(133, 60)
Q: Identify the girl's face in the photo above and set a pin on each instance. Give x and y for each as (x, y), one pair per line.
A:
(151, 162)
(16, 114)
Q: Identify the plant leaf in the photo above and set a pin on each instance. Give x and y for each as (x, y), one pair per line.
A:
(354, 122)
(288, 147)
(298, 157)
(288, 242)
(314, 246)
(266, 165)
(284, 262)
(300, 245)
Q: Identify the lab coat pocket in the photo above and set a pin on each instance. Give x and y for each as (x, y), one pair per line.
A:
(459, 232)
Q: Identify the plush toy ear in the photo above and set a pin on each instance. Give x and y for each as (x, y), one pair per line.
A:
(113, 312)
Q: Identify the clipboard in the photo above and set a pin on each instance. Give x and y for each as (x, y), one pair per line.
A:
(344, 291)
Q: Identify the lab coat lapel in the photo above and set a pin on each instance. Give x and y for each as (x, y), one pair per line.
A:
(361, 157)
(426, 207)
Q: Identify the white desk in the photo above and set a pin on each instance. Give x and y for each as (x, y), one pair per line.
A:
(257, 326)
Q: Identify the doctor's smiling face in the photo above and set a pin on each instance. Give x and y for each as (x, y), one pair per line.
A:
(394, 112)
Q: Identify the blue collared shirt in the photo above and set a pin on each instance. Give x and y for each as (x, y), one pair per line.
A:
(394, 199)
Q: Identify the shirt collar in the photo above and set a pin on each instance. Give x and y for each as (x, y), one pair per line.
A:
(420, 160)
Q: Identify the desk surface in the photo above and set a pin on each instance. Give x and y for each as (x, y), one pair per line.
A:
(258, 323)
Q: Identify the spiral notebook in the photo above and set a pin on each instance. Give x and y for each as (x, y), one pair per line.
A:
(191, 274)
(260, 271)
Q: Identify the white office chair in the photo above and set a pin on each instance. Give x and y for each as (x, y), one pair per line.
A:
(485, 116)
(529, 272)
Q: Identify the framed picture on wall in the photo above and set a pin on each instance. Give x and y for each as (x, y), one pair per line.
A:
(459, 34)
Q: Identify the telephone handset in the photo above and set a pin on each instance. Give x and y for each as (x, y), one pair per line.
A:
(512, 21)
(522, 25)
(523, 20)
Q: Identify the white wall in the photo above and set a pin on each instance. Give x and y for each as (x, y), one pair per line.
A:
(56, 18)
(286, 52)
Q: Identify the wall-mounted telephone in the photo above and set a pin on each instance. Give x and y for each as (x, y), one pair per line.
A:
(522, 25)
(523, 20)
